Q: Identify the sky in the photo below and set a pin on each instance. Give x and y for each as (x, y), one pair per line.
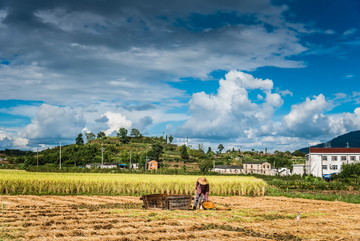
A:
(251, 74)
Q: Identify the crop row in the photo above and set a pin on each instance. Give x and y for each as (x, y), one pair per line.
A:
(122, 184)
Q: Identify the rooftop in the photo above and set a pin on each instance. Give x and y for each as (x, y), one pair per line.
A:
(334, 150)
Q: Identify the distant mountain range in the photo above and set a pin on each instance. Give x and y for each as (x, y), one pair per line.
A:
(351, 139)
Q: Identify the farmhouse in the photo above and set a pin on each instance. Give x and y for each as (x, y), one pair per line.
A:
(260, 167)
(152, 165)
(228, 169)
(322, 162)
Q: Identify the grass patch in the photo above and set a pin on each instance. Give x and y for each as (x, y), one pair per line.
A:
(349, 198)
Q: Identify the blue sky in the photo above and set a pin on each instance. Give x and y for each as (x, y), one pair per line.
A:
(256, 74)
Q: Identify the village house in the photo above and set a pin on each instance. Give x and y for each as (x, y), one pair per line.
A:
(322, 162)
(259, 167)
(152, 165)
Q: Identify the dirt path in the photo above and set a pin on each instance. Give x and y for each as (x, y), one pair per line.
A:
(122, 218)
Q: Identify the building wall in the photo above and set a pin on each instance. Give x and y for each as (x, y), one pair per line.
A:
(298, 169)
(152, 165)
(319, 164)
(258, 168)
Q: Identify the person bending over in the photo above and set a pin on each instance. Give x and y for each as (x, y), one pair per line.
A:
(202, 191)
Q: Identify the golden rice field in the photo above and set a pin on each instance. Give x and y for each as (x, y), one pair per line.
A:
(21, 182)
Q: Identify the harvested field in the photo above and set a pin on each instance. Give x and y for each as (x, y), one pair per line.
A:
(122, 218)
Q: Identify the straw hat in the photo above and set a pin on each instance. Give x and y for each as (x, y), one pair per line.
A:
(202, 180)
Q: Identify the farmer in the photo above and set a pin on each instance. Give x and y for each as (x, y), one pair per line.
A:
(202, 191)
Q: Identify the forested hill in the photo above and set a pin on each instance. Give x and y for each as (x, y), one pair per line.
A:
(351, 138)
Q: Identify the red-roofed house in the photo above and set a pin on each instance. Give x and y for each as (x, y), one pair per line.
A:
(322, 162)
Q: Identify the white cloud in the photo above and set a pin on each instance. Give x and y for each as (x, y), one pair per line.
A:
(115, 121)
(306, 112)
(274, 99)
(230, 112)
(285, 92)
(54, 122)
(7, 141)
(310, 119)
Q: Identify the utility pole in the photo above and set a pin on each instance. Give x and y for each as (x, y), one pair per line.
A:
(130, 159)
(37, 157)
(102, 156)
(146, 162)
(60, 156)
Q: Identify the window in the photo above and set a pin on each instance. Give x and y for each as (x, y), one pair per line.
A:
(343, 158)
(333, 167)
(352, 158)
(324, 158)
(324, 167)
(334, 158)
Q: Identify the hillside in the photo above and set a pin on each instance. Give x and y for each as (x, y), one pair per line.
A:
(142, 149)
(352, 139)
(113, 150)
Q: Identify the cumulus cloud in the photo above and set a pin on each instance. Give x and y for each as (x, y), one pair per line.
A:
(230, 112)
(310, 119)
(305, 111)
(115, 121)
(54, 122)
(7, 141)
(232, 115)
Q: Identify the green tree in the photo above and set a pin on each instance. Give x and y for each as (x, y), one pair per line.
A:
(220, 148)
(183, 152)
(298, 153)
(122, 134)
(205, 165)
(90, 136)
(280, 161)
(350, 171)
(171, 138)
(79, 139)
(135, 133)
(156, 151)
(101, 135)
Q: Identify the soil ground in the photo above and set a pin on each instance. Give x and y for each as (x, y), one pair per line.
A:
(123, 218)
